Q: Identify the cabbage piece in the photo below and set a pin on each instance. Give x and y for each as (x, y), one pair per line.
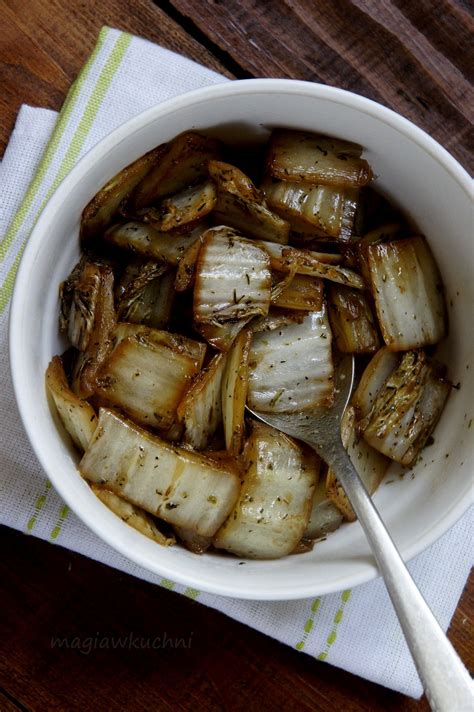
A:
(276, 318)
(183, 163)
(233, 280)
(223, 336)
(132, 515)
(186, 272)
(241, 206)
(98, 213)
(302, 156)
(273, 509)
(174, 433)
(79, 295)
(192, 541)
(188, 207)
(369, 464)
(303, 293)
(291, 368)
(280, 281)
(379, 368)
(325, 517)
(99, 345)
(234, 392)
(176, 342)
(280, 255)
(146, 294)
(323, 211)
(146, 240)
(181, 487)
(406, 408)
(408, 293)
(352, 322)
(201, 409)
(383, 233)
(77, 416)
(287, 259)
(66, 291)
(147, 378)
(225, 458)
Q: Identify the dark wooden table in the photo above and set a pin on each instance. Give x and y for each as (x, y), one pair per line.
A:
(411, 55)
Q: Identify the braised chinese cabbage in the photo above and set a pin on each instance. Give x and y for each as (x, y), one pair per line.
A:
(291, 367)
(306, 157)
(352, 321)
(201, 407)
(234, 391)
(273, 509)
(145, 294)
(323, 211)
(144, 239)
(241, 206)
(212, 282)
(177, 485)
(301, 292)
(406, 408)
(188, 207)
(80, 294)
(98, 214)
(90, 360)
(324, 517)
(183, 163)
(233, 280)
(146, 377)
(408, 293)
(290, 259)
(76, 414)
(132, 515)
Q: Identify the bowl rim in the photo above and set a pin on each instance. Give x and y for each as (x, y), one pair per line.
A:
(245, 87)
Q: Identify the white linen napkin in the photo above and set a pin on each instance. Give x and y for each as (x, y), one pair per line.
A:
(355, 630)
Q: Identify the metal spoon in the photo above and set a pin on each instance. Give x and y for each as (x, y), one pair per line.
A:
(446, 681)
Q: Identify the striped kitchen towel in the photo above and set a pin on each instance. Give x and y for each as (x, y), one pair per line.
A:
(355, 630)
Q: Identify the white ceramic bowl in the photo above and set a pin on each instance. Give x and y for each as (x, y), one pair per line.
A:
(417, 174)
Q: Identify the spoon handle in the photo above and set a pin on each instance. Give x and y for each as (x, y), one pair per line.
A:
(446, 681)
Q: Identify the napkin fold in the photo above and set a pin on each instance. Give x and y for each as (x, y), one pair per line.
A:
(357, 629)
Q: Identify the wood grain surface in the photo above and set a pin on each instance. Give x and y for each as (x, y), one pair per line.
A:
(408, 54)
(379, 49)
(44, 43)
(50, 594)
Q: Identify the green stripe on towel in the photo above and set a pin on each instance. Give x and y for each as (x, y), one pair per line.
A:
(62, 518)
(93, 105)
(331, 639)
(309, 625)
(38, 506)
